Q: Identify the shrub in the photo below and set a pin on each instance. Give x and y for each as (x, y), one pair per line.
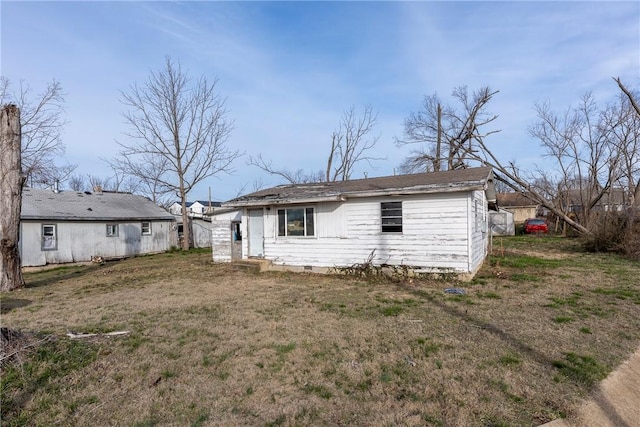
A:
(615, 232)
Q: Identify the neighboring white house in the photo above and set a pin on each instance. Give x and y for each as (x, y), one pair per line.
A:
(194, 209)
(71, 226)
(429, 222)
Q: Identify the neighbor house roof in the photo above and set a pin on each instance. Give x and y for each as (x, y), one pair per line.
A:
(77, 205)
(420, 183)
(515, 200)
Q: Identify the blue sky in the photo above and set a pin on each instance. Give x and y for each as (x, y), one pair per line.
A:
(290, 69)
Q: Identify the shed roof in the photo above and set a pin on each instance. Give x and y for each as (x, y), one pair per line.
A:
(87, 206)
(419, 183)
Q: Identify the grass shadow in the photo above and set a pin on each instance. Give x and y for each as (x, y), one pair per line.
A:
(8, 304)
(51, 276)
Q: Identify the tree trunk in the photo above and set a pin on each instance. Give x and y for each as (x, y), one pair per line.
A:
(186, 232)
(10, 198)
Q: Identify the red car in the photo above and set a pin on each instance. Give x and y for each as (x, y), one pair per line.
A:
(535, 226)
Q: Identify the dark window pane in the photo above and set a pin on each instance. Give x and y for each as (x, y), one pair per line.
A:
(310, 224)
(391, 205)
(281, 223)
(295, 222)
(391, 221)
(391, 216)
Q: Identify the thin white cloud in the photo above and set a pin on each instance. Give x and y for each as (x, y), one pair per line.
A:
(288, 70)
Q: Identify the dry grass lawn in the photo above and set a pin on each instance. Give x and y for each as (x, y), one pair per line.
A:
(209, 344)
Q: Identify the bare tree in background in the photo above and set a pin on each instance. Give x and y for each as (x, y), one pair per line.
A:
(585, 145)
(298, 176)
(11, 181)
(627, 137)
(581, 144)
(446, 137)
(76, 183)
(351, 144)
(149, 171)
(624, 123)
(179, 125)
(42, 120)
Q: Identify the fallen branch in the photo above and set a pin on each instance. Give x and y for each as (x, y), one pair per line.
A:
(74, 335)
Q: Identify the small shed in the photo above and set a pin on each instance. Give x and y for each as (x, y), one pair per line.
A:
(428, 222)
(501, 223)
(226, 234)
(72, 226)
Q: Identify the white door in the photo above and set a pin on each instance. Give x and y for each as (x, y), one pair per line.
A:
(256, 233)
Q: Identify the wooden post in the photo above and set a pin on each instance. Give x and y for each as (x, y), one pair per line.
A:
(11, 181)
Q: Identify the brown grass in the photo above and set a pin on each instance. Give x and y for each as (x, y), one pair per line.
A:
(211, 345)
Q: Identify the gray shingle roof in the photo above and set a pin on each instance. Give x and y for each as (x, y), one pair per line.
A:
(429, 182)
(76, 205)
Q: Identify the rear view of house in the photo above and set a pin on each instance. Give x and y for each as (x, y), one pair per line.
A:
(71, 226)
(429, 222)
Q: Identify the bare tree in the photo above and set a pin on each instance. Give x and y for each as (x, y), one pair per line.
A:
(624, 123)
(77, 183)
(629, 95)
(580, 143)
(628, 139)
(446, 137)
(585, 144)
(179, 125)
(42, 120)
(11, 181)
(298, 176)
(351, 143)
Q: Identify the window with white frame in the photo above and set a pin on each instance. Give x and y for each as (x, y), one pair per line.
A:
(112, 230)
(49, 237)
(391, 216)
(296, 222)
(146, 228)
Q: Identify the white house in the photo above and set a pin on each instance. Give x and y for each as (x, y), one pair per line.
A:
(194, 209)
(429, 222)
(71, 226)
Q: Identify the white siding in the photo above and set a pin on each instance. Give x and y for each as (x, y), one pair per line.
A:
(79, 241)
(479, 229)
(221, 235)
(435, 234)
(201, 233)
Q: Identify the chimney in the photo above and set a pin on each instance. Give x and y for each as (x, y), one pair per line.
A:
(56, 186)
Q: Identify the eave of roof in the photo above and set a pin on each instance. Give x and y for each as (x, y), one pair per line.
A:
(370, 187)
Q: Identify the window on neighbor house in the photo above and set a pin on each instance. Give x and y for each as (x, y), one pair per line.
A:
(391, 215)
(146, 228)
(49, 238)
(296, 222)
(112, 230)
